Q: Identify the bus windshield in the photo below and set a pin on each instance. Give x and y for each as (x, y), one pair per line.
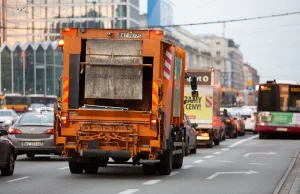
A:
(279, 98)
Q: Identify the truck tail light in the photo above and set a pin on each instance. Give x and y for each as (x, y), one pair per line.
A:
(12, 131)
(204, 134)
(64, 121)
(153, 124)
(49, 131)
(228, 120)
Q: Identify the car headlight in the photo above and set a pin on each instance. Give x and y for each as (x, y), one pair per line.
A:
(30, 109)
(8, 122)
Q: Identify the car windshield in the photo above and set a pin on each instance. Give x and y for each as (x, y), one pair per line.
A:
(246, 114)
(30, 118)
(5, 113)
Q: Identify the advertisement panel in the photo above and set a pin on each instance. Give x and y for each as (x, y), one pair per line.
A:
(199, 110)
(279, 118)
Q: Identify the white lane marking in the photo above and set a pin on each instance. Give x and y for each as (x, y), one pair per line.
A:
(173, 173)
(270, 153)
(187, 166)
(208, 156)
(151, 182)
(259, 164)
(226, 161)
(63, 168)
(129, 191)
(14, 180)
(198, 161)
(225, 149)
(217, 153)
(242, 141)
(227, 173)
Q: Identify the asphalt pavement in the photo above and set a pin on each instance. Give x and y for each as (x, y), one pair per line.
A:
(237, 166)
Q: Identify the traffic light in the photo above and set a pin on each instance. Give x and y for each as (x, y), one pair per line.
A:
(194, 83)
(194, 94)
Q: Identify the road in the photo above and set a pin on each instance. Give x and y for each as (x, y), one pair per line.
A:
(243, 165)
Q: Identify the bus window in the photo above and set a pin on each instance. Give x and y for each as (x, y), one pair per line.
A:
(294, 99)
(269, 98)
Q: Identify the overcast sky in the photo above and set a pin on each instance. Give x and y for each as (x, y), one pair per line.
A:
(272, 46)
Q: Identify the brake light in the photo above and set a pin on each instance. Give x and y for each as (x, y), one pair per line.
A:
(64, 121)
(204, 134)
(49, 131)
(153, 124)
(252, 117)
(228, 120)
(12, 131)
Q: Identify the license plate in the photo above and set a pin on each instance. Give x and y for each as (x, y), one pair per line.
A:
(32, 144)
(282, 129)
(130, 35)
(202, 138)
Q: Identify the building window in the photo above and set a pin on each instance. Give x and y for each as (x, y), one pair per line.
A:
(6, 70)
(29, 71)
(18, 70)
(218, 53)
(218, 43)
(218, 62)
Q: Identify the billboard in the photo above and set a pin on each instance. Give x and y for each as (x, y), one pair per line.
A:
(160, 13)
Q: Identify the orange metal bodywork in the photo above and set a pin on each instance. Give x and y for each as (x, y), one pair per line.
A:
(115, 129)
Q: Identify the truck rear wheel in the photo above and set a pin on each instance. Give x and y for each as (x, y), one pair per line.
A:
(91, 168)
(75, 167)
(149, 169)
(103, 162)
(166, 160)
(121, 160)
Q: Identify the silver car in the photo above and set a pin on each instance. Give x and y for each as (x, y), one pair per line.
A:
(32, 134)
(7, 118)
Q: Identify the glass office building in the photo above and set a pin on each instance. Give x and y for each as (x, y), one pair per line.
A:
(41, 20)
(30, 68)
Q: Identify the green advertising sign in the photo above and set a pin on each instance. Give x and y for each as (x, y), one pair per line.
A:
(283, 118)
(177, 82)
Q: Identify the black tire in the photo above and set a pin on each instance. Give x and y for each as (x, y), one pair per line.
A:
(121, 160)
(261, 136)
(103, 162)
(187, 149)
(177, 161)
(166, 162)
(224, 136)
(75, 167)
(209, 145)
(30, 155)
(149, 169)
(217, 141)
(9, 169)
(194, 150)
(91, 168)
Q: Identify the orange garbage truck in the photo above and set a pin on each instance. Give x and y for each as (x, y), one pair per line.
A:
(122, 98)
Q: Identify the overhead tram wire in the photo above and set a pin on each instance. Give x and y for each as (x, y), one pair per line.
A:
(226, 21)
(180, 25)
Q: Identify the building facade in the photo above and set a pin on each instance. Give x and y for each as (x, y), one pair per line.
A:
(227, 58)
(31, 21)
(160, 13)
(30, 68)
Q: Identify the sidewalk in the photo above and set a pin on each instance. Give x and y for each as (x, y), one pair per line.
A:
(290, 184)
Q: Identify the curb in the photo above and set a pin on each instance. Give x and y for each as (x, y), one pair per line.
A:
(277, 189)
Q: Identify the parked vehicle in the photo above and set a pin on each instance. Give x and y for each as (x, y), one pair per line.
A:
(32, 134)
(7, 155)
(190, 137)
